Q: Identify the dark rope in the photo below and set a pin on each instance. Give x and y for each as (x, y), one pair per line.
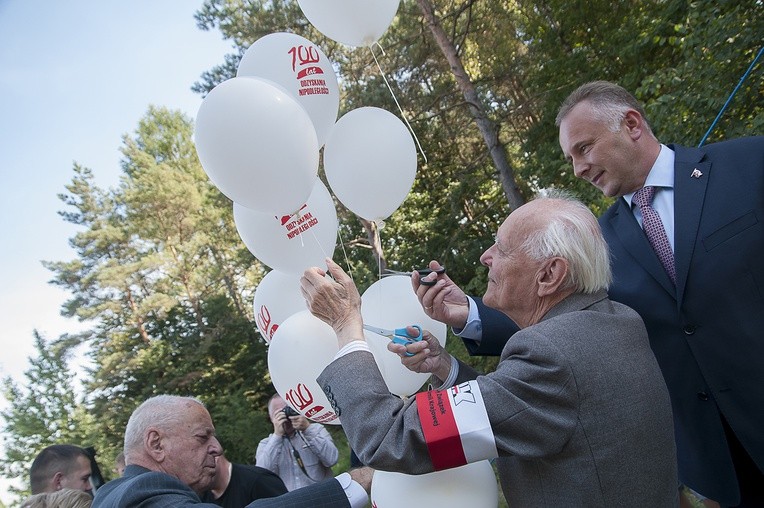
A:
(750, 67)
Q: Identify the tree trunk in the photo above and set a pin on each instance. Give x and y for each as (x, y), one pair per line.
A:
(488, 129)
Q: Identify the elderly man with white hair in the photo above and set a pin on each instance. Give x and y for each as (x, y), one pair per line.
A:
(577, 411)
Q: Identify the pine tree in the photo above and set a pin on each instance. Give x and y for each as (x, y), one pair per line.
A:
(41, 412)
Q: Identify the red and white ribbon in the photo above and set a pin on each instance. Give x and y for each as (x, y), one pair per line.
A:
(455, 425)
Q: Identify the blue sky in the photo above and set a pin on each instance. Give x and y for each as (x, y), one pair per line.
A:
(75, 76)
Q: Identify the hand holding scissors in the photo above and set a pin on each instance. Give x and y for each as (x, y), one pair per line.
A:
(399, 335)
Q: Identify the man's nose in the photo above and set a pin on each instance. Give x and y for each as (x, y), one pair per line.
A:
(486, 257)
(579, 168)
(216, 447)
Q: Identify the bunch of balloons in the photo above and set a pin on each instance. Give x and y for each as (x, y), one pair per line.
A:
(258, 137)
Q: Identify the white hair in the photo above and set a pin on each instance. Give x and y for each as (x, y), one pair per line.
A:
(573, 234)
(162, 411)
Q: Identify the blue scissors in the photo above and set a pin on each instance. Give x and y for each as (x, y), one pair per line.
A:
(399, 335)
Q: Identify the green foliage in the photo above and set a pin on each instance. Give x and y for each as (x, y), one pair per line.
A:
(40, 413)
(163, 276)
(524, 58)
(165, 283)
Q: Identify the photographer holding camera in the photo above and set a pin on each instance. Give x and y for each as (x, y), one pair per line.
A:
(299, 451)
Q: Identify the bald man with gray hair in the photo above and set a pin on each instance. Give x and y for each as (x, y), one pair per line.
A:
(170, 456)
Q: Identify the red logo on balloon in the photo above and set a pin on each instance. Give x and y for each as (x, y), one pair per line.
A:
(314, 410)
(287, 218)
(303, 55)
(299, 398)
(310, 71)
(265, 323)
(305, 61)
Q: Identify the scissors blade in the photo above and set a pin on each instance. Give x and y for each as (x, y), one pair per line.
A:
(423, 272)
(388, 273)
(379, 331)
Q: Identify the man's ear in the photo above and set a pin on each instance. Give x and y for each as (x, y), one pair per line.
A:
(552, 276)
(634, 123)
(154, 444)
(56, 482)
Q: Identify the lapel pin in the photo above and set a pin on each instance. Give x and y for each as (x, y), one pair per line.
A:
(696, 173)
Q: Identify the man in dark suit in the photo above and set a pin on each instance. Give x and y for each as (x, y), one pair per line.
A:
(170, 451)
(576, 411)
(704, 310)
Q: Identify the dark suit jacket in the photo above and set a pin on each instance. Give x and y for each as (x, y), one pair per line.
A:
(150, 489)
(706, 333)
(578, 408)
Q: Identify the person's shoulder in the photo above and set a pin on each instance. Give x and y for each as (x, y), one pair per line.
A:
(254, 471)
(743, 145)
(266, 439)
(319, 427)
(148, 489)
(611, 211)
(736, 143)
(150, 480)
(260, 480)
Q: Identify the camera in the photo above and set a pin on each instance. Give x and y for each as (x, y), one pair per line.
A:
(288, 411)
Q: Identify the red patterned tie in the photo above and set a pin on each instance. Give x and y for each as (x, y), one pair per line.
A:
(651, 223)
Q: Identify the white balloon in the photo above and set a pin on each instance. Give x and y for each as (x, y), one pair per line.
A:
(257, 145)
(291, 243)
(349, 21)
(303, 70)
(300, 349)
(370, 162)
(473, 485)
(391, 303)
(277, 297)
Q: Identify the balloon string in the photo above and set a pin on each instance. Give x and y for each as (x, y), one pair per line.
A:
(344, 252)
(375, 239)
(371, 49)
(342, 244)
(302, 240)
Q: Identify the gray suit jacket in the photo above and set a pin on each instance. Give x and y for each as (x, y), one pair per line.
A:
(150, 489)
(578, 407)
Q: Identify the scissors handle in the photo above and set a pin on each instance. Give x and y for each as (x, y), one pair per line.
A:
(424, 272)
(404, 338)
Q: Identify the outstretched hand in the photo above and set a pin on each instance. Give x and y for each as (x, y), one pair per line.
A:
(335, 302)
(444, 301)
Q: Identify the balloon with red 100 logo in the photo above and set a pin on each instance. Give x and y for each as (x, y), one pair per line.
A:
(300, 349)
(303, 70)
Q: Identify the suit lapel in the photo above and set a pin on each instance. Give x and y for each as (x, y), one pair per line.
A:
(635, 242)
(691, 175)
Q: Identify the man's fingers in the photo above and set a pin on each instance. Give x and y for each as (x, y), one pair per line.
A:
(339, 275)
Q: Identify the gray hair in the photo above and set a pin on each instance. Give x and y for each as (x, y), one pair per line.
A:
(161, 411)
(612, 102)
(573, 234)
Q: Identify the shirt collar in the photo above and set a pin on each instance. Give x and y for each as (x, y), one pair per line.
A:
(660, 175)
